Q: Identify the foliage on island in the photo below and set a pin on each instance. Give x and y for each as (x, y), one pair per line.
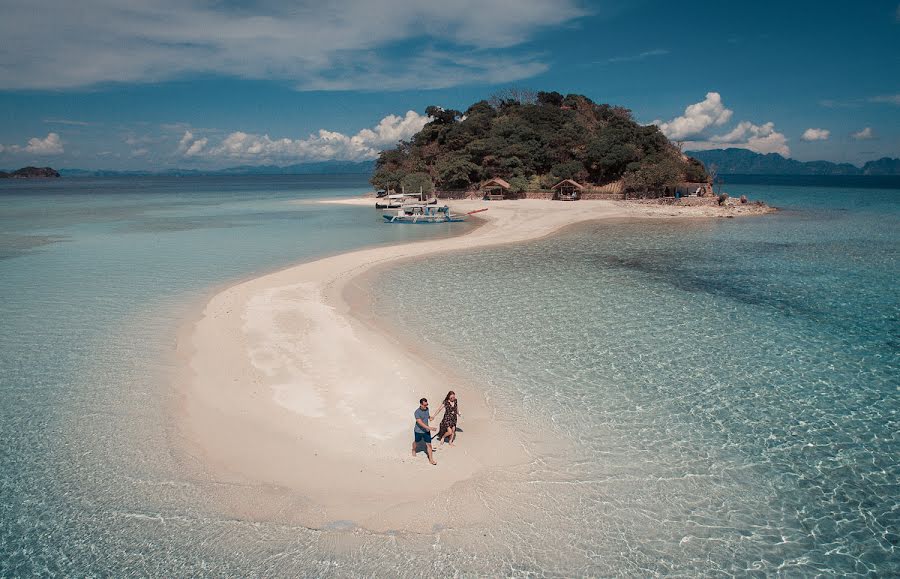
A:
(533, 141)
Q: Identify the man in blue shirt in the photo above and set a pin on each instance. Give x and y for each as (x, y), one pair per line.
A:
(422, 432)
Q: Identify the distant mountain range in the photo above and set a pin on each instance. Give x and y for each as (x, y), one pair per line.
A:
(728, 161)
(320, 168)
(744, 162)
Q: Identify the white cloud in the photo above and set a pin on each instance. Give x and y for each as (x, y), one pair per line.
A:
(427, 70)
(49, 145)
(392, 129)
(738, 133)
(816, 134)
(343, 43)
(758, 138)
(185, 141)
(691, 129)
(639, 56)
(66, 122)
(697, 118)
(196, 147)
(892, 99)
(320, 146)
(864, 134)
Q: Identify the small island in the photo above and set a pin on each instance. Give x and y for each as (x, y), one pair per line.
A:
(535, 141)
(543, 145)
(30, 173)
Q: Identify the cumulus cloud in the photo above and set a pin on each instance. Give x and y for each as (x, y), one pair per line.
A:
(308, 44)
(816, 134)
(196, 147)
(320, 146)
(186, 140)
(692, 128)
(49, 145)
(697, 118)
(864, 134)
(738, 133)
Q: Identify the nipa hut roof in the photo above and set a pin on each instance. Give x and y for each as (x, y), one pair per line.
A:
(496, 181)
(569, 182)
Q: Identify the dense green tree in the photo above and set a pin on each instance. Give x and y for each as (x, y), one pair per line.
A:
(538, 138)
(695, 172)
(655, 176)
(457, 172)
(518, 184)
(416, 182)
(442, 116)
(553, 99)
(571, 170)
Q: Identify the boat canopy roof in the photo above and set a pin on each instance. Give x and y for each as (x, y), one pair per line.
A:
(402, 195)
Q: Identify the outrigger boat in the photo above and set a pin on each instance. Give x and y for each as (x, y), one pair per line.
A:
(422, 214)
(400, 199)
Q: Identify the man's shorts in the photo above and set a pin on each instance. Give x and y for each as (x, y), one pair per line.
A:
(423, 437)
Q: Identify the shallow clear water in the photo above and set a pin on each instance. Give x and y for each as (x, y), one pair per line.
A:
(696, 396)
(96, 276)
(726, 391)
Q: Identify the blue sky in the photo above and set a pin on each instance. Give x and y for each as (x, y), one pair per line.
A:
(143, 84)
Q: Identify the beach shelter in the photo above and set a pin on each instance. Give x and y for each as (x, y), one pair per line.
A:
(567, 190)
(496, 189)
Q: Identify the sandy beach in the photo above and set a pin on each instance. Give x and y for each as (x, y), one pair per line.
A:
(292, 391)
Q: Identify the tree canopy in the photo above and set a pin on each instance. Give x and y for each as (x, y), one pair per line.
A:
(533, 140)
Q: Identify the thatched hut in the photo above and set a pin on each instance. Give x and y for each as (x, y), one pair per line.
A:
(567, 190)
(496, 189)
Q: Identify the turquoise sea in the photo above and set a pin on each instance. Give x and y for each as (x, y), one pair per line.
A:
(715, 397)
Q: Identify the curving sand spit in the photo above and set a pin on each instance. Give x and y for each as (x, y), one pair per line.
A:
(288, 392)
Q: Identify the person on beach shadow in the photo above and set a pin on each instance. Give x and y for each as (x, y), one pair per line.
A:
(450, 406)
(422, 432)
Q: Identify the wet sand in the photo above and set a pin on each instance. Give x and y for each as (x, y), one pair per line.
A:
(296, 392)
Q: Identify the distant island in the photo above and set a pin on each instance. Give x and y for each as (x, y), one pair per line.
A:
(314, 168)
(744, 162)
(533, 141)
(527, 145)
(30, 173)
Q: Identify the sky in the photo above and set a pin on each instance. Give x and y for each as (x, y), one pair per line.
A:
(158, 84)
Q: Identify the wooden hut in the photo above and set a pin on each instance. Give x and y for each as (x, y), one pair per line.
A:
(496, 189)
(567, 190)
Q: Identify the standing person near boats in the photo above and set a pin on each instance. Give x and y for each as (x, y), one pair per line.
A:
(450, 406)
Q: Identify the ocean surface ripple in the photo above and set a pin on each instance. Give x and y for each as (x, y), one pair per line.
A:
(713, 397)
(729, 390)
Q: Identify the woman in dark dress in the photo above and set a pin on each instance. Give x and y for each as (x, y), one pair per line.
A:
(451, 412)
